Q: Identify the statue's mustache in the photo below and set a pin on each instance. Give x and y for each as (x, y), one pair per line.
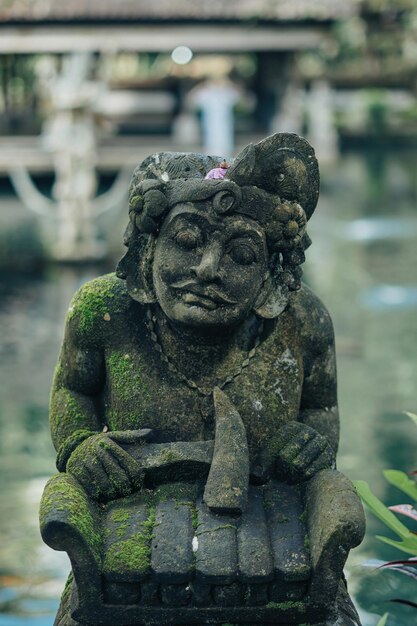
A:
(206, 292)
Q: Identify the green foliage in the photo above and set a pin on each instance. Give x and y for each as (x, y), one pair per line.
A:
(383, 513)
(408, 545)
(412, 416)
(408, 539)
(383, 620)
(402, 482)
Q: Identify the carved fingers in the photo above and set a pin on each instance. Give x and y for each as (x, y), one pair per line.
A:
(104, 469)
(301, 452)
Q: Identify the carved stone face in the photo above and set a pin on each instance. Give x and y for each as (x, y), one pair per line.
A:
(208, 269)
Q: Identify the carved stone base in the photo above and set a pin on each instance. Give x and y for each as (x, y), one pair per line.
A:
(345, 614)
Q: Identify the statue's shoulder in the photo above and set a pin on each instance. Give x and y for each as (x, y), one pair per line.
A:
(312, 317)
(97, 303)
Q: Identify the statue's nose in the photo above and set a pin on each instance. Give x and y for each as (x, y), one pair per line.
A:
(208, 268)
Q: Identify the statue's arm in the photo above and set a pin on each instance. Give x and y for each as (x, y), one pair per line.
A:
(78, 380)
(318, 408)
(309, 443)
(95, 458)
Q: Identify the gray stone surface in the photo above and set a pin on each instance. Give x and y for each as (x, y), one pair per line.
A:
(172, 555)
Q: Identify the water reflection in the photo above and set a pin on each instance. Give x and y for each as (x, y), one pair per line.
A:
(361, 265)
(379, 228)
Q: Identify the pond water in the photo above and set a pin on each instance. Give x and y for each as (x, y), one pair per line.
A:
(362, 265)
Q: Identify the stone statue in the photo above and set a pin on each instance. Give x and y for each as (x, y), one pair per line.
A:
(194, 410)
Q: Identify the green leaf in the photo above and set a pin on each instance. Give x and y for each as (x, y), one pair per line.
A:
(383, 620)
(408, 545)
(402, 481)
(412, 416)
(379, 509)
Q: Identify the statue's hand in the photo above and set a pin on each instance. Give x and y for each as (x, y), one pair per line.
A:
(104, 469)
(302, 452)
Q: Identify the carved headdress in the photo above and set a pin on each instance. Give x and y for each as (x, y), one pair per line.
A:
(275, 182)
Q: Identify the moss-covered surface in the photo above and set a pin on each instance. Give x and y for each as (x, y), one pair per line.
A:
(97, 299)
(109, 486)
(119, 516)
(133, 554)
(183, 493)
(68, 411)
(125, 375)
(63, 494)
(121, 520)
(287, 606)
(67, 589)
(216, 529)
(194, 517)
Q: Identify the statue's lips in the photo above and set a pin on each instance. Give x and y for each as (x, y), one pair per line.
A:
(208, 297)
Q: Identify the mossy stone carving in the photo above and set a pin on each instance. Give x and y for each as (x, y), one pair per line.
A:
(194, 410)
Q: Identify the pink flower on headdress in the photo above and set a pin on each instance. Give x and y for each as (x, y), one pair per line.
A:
(217, 172)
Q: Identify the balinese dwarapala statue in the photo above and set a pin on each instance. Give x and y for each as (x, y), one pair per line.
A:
(194, 409)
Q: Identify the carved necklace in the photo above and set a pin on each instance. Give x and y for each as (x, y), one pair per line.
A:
(205, 393)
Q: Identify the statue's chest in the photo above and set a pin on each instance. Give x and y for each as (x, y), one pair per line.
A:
(144, 390)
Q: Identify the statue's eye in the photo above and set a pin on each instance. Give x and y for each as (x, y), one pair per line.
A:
(187, 239)
(242, 253)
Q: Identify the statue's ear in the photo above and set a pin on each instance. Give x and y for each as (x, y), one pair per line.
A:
(272, 299)
(136, 268)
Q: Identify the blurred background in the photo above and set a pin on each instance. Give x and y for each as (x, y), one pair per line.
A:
(88, 88)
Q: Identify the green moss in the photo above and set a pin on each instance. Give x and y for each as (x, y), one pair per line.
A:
(194, 516)
(125, 375)
(119, 516)
(183, 493)
(286, 606)
(67, 589)
(303, 517)
(64, 494)
(307, 543)
(116, 486)
(134, 553)
(58, 371)
(94, 300)
(122, 521)
(65, 403)
(292, 451)
(170, 456)
(217, 528)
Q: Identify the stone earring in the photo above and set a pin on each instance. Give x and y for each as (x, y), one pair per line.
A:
(272, 299)
(137, 270)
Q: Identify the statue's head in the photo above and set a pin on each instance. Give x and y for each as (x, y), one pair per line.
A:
(210, 251)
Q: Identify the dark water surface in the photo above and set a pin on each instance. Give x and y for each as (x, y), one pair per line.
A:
(362, 264)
